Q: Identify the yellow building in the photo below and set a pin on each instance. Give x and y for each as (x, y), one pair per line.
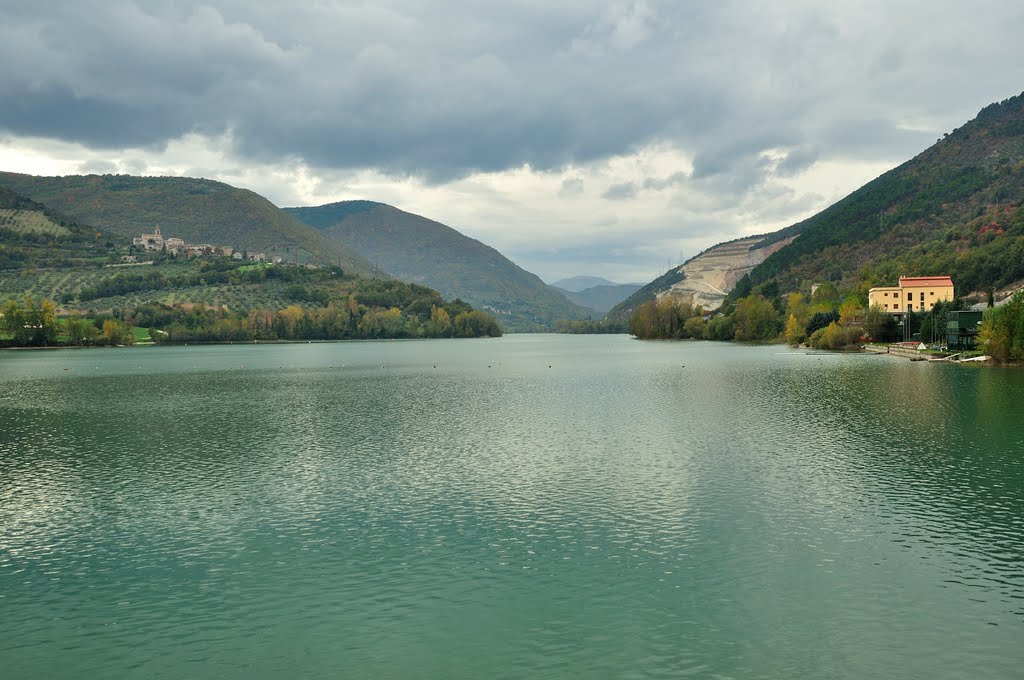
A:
(914, 294)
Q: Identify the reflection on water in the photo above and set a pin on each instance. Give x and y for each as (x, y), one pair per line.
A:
(530, 506)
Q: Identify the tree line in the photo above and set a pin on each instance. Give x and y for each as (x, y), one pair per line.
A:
(34, 323)
(348, 320)
(827, 319)
(581, 327)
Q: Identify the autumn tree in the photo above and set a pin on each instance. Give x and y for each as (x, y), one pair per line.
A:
(794, 331)
(475, 324)
(117, 332)
(32, 323)
(663, 318)
(849, 311)
(440, 324)
(756, 319)
(834, 336)
(796, 305)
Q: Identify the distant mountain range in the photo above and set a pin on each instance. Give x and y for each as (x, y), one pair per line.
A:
(196, 210)
(955, 209)
(420, 250)
(601, 298)
(578, 284)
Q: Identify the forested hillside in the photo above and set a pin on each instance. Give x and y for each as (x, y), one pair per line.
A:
(196, 210)
(33, 235)
(953, 209)
(420, 250)
(221, 299)
(53, 266)
(957, 209)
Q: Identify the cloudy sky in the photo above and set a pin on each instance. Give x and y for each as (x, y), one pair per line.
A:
(577, 137)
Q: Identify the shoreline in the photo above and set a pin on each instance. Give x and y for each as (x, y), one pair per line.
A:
(235, 342)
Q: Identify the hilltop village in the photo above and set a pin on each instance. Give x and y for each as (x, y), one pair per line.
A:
(178, 248)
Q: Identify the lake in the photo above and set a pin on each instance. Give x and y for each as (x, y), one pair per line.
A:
(533, 506)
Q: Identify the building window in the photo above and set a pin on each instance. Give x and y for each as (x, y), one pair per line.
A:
(933, 293)
(910, 295)
(922, 296)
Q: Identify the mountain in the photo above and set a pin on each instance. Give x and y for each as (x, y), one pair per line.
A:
(420, 250)
(196, 210)
(46, 255)
(707, 278)
(578, 284)
(954, 209)
(600, 298)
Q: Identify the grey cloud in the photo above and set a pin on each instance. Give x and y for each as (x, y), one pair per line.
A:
(749, 91)
(97, 167)
(628, 190)
(135, 166)
(442, 91)
(627, 257)
(660, 184)
(797, 160)
(571, 186)
(594, 259)
(620, 192)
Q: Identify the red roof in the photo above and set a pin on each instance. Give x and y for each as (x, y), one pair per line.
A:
(914, 281)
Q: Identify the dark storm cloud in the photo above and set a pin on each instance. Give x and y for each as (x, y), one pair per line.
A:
(440, 90)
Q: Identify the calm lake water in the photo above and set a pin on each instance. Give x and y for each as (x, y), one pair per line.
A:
(527, 507)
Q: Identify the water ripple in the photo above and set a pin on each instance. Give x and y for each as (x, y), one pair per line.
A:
(529, 507)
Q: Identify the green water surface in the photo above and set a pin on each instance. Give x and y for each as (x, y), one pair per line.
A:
(524, 507)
